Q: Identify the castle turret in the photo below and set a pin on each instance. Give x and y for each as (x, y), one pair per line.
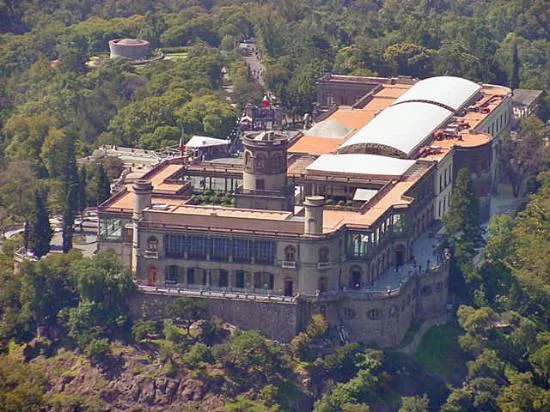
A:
(314, 215)
(143, 191)
(142, 197)
(264, 176)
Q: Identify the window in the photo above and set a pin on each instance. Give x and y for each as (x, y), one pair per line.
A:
(259, 161)
(190, 276)
(324, 254)
(174, 246)
(152, 244)
(290, 254)
(440, 183)
(374, 314)
(239, 279)
(196, 247)
(172, 275)
(348, 313)
(393, 311)
(357, 244)
(260, 184)
(264, 251)
(247, 158)
(110, 229)
(276, 162)
(221, 248)
(322, 284)
(263, 280)
(223, 280)
(242, 250)
(439, 287)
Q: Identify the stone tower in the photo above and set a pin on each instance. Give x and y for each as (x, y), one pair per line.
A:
(143, 191)
(264, 176)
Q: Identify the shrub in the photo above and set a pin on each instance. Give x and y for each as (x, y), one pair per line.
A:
(97, 349)
(198, 354)
(143, 329)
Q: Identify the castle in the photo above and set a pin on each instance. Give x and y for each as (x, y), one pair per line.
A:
(338, 220)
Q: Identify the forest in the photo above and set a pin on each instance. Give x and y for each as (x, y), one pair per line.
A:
(65, 319)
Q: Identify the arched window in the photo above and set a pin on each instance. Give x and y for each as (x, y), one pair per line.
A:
(259, 161)
(349, 313)
(290, 254)
(152, 244)
(374, 314)
(324, 254)
(247, 158)
(276, 162)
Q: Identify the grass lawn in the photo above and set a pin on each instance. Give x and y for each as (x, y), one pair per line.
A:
(439, 352)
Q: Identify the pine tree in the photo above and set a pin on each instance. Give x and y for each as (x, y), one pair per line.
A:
(514, 78)
(71, 190)
(103, 185)
(40, 231)
(82, 181)
(463, 216)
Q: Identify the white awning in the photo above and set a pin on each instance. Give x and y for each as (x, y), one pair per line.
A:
(202, 141)
(364, 195)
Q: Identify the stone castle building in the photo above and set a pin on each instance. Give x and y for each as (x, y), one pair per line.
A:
(340, 220)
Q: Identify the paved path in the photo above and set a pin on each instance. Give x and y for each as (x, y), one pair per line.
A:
(257, 69)
(411, 347)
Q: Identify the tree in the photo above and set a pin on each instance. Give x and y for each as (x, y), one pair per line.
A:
(40, 233)
(514, 78)
(499, 238)
(409, 59)
(17, 184)
(414, 404)
(186, 311)
(103, 185)
(82, 199)
(522, 395)
(462, 219)
(70, 192)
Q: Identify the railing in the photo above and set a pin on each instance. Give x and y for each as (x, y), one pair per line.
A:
(288, 264)
(217, 292)
(150, 254)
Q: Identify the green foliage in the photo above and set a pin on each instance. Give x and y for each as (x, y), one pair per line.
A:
(97, 349)
(198, 353)
(462, 220)
(40, 232)
(103, 185)
(22, 386)
(242, 404)
(143, 329)
(186, 311)
(414, 404)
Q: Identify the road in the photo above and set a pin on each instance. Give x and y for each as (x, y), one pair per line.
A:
(257, 69)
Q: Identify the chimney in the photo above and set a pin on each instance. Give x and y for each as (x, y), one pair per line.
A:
(143, 190)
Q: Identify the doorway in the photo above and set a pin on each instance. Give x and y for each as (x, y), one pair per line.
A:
(152, 276)
(355, 278)
(399, 255)
(289, 286)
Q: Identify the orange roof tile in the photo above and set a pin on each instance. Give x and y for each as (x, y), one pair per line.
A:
(315, 145)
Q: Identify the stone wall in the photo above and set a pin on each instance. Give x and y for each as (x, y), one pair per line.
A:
(277, 320)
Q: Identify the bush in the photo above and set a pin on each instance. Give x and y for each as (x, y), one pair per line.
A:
(143, 329)
(97, 349)
(199, 353)
(341, 203)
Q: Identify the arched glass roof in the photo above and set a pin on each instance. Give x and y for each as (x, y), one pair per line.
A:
(448, 91)
(402, 127)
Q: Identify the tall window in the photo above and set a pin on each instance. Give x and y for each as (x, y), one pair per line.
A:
(264, 251)
(263, 280)
(152, 244)
(290, 254)
(220, 249)
(276, 162)
(259, 161)
(196, 247)
(223, 280)
(242, 250)
(239, 279)
(172, 275)
(174, 246)
(324, 254)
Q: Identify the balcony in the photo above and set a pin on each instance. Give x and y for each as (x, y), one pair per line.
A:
(150, 254)
(288, 264)
(324, 265)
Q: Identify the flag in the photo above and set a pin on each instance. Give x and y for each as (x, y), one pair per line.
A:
(266, 102)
